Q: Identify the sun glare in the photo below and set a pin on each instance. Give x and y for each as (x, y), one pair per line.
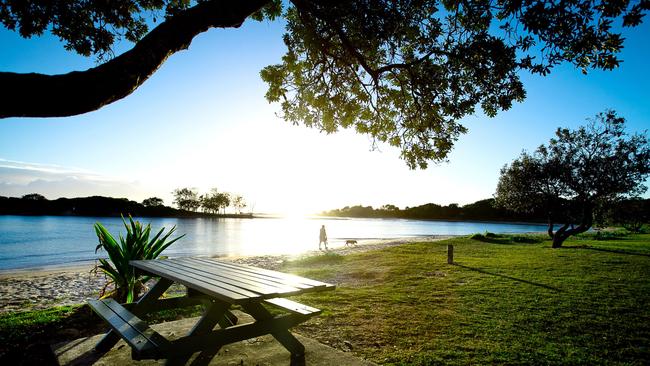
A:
(297, 213)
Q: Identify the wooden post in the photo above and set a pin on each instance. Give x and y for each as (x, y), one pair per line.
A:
(450, 254)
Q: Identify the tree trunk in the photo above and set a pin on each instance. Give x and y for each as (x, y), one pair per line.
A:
(564, 232)
(558, 240)
(39, 95)
(560, 236)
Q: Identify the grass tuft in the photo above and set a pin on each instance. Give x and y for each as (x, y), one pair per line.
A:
(325, 258)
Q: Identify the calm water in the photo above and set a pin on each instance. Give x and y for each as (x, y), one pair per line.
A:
(30, 242)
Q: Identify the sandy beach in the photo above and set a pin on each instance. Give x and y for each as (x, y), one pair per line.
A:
(46, 287)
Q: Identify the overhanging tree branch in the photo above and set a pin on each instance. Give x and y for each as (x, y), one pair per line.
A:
(77, 92)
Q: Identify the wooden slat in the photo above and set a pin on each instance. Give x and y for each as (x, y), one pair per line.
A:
(230, 282)
(292, 306)
(280, 276)
(214, 276)
(194, 276)
(145, 342)
(237, 278)
(264, 273)
(210, 289)
(239, 273)
(285, 277)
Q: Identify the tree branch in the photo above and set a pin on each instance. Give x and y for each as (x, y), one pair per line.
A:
(345, 41)
(39, 95)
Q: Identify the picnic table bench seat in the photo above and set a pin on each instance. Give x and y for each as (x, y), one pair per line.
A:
(293, 307)
(145, 342)
(217, 286)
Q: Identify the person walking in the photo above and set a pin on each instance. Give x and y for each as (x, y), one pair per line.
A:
(323, 238)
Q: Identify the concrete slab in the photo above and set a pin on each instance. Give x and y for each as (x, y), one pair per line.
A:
(262, 351)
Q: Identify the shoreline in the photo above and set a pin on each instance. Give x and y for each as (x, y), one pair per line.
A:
(44, 287)
(89, 264)
(198, 215)
(48, 269)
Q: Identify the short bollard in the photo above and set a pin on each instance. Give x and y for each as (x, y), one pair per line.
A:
(450, 254)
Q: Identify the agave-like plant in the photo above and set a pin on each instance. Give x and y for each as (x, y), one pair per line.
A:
(128, 282)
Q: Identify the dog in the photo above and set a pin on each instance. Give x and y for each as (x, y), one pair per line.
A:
(349, 243)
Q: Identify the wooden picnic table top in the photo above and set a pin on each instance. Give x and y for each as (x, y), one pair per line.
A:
(230, 282)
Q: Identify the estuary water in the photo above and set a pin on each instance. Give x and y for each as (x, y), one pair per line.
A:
(43, 241)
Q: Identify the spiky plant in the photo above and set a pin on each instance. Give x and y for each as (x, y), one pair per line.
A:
(128, 282)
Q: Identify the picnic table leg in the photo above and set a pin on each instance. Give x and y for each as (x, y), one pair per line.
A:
(109, 340)
(291, 343)
(213, 314)
(228, 320)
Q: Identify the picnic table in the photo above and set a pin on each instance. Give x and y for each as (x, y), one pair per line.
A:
(217, 285)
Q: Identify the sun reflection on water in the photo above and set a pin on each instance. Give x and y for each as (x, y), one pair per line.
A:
(61, 240)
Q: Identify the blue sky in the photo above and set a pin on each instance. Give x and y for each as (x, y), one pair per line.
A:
(202, 121)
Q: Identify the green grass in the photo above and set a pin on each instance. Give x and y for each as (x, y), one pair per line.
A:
(507, 300)
(520, 303)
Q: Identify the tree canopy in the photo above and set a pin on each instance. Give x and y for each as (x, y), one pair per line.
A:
(33, 197)
(186, 199)
(576, 172)
(153, 202)
(214, 201)
(404, 72)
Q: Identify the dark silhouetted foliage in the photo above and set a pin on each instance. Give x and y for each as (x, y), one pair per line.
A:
(86, 206)
(577, 172)
(91, 206)
(493, 238)
(153, 201)
(483, 210)
(187, 199)
(632, 214)
(214, 201)
(403, 72)
(33, 196)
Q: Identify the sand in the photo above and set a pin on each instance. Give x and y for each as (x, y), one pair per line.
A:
(46, 287)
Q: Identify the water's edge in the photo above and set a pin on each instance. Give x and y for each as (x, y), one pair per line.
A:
(28, 242)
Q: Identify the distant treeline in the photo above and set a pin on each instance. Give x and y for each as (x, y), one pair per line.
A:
(483, 210)
(632, 213)
(35, 204)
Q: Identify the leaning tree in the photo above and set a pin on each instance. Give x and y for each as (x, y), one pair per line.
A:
(404, 72)
(595, 165)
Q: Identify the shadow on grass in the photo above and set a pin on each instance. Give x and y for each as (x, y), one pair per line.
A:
(509, 277)
(26, 339)
(87, 358)
(616, 251)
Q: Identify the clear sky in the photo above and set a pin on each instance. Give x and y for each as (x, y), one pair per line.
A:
(202, 121)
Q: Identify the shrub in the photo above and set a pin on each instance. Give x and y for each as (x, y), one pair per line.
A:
(479, 237)
(493, 238)
(127, 281)
(606, 234)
